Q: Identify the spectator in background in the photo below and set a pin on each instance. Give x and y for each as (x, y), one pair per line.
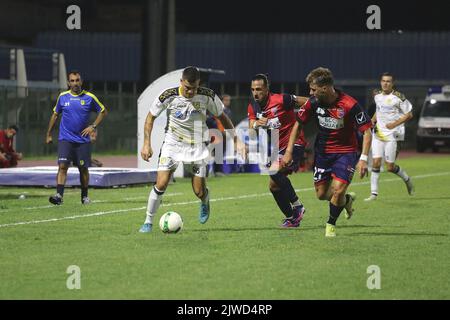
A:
(8, 156)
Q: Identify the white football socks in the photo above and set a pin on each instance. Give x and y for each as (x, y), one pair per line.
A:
(374, 177)
(402, 174)
(296, 203)
(154, 200)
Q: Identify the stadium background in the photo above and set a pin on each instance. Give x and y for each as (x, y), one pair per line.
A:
(124, 46)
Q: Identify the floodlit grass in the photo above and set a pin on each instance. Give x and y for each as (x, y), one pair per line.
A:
(240, 253)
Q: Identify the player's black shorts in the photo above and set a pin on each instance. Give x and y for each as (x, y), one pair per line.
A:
(77, 153)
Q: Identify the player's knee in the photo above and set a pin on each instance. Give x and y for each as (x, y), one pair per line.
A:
(376, 163)
(161, 185)
(63, 167)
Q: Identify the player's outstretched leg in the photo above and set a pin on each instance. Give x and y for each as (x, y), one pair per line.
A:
(154, 200)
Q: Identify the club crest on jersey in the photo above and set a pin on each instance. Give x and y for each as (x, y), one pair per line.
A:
(320, 111)
(83, 102)
(196, 105)
(340, 113)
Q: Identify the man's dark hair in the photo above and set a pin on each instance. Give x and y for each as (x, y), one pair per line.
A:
(191, 74)
(13, 126)
(73, 72)
(321, 77)
(387, 74)
(263, 77)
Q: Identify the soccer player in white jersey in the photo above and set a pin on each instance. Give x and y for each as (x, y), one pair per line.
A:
(185, 139)
(392, 111)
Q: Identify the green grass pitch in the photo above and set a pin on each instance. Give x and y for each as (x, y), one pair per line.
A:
(240, 253)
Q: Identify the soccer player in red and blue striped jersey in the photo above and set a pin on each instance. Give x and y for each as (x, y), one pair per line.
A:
(339, 117)
(273, 111)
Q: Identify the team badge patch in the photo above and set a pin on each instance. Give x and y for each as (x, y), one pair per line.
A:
(361, 118)
(340, 113)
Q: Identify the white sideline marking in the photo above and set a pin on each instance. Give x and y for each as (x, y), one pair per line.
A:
(94, 201)
(255, 195)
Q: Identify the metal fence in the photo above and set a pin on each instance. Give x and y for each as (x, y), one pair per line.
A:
(118, 132)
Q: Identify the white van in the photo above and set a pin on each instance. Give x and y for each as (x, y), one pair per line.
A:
(434, 122)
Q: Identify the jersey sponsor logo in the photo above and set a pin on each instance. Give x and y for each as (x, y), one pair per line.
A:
(385, 109)
(361, 118)
(66, 104)
(180, 114)
(331, 123)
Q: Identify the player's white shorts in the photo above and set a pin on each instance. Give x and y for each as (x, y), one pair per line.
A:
(384, 149)
(195, 156)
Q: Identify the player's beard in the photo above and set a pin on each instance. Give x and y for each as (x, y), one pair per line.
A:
(76, 89)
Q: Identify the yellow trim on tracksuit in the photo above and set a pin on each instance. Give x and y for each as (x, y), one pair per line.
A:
(57, 100)
(96, 100)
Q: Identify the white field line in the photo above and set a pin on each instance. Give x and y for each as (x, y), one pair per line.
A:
(255, 195)
(95, 201)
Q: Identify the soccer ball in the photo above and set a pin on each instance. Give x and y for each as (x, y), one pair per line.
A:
(171, 222)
